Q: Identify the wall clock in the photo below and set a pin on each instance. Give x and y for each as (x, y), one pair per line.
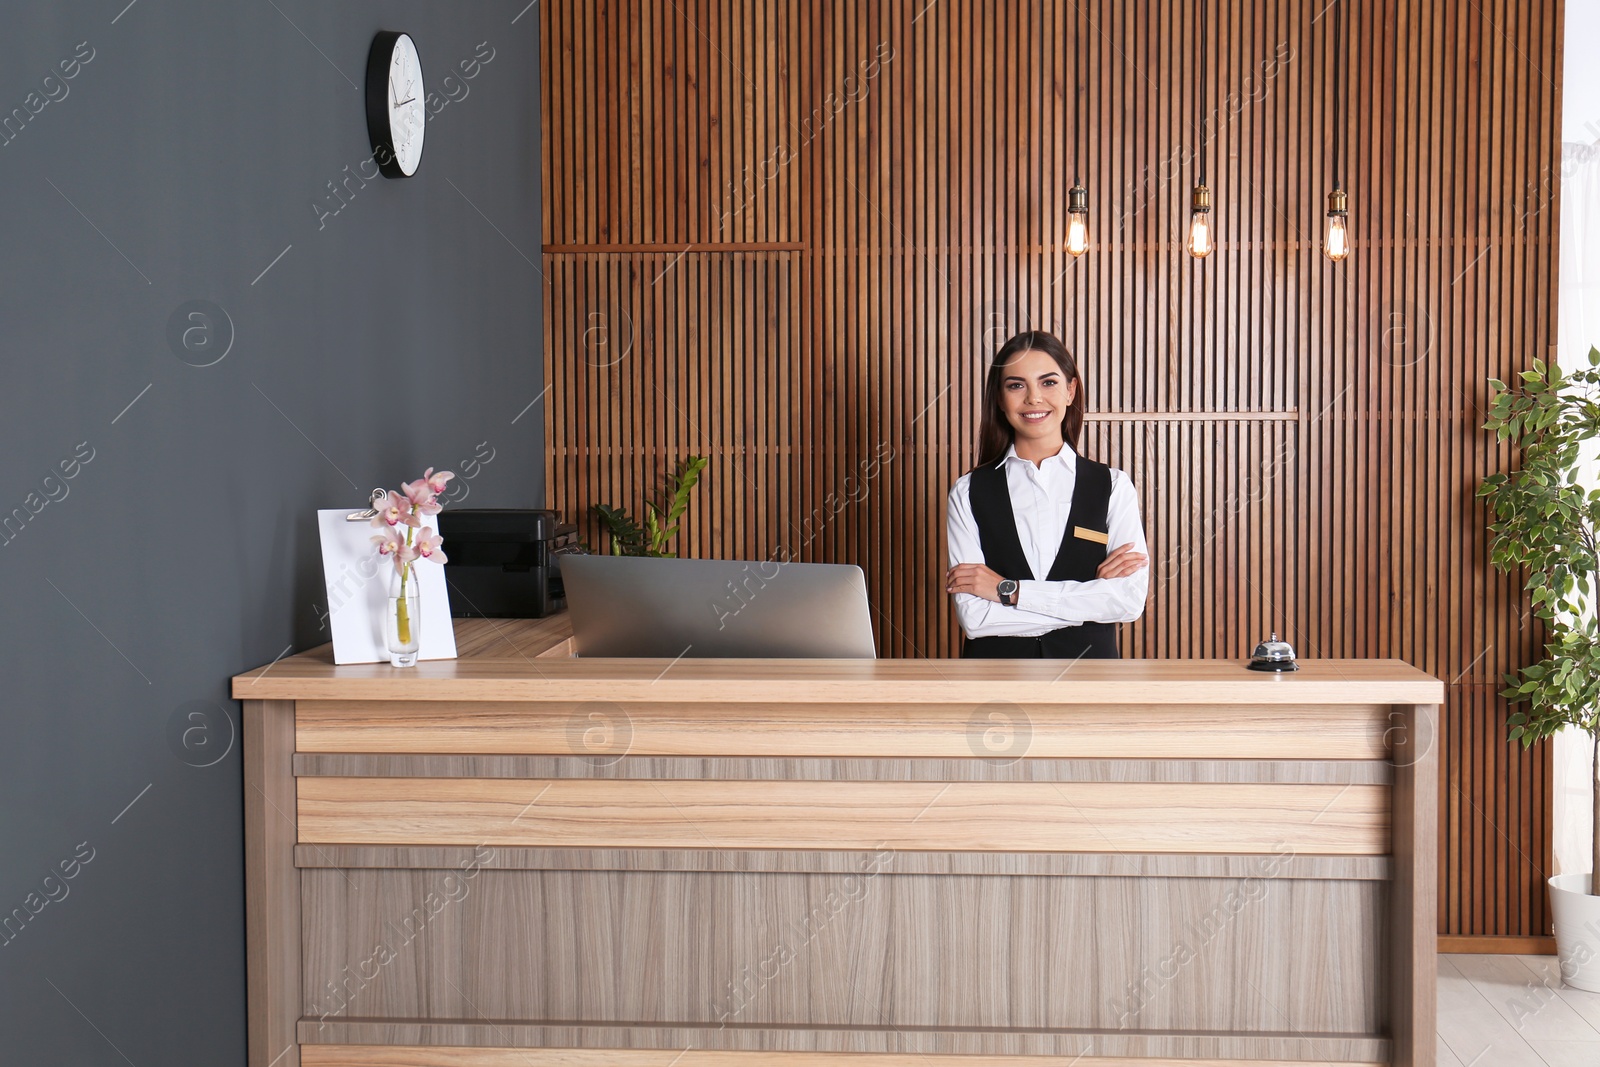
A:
(396, 118)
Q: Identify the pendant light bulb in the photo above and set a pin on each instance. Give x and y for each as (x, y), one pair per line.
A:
(1077, 220)
(1200, 223)
(1335, 239)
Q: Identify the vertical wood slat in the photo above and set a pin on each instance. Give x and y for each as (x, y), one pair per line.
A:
(808, 278)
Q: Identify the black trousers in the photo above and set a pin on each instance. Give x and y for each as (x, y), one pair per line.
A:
(1092, 640)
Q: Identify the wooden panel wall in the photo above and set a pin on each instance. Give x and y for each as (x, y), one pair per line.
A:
(788, 235)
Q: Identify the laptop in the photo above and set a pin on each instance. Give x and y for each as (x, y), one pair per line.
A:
(671, 608)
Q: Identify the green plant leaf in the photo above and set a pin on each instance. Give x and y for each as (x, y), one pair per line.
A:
(654, 537)
(661, 519)
(627, 539)
(681, 486)
(1545, 518)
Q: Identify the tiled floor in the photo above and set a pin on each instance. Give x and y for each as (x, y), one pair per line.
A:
(1512, 1011)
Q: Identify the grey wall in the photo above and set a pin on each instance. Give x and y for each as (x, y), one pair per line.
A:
(176, 165)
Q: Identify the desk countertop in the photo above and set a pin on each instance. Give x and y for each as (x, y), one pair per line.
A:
(525, 659)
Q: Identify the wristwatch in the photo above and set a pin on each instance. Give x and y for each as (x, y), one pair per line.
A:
(1008, 592)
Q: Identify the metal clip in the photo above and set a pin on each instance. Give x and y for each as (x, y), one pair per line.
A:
(379, 498)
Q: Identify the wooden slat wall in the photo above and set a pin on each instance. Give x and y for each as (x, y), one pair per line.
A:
(788, 233)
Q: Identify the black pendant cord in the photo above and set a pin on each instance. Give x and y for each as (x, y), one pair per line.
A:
(1338, 94)
(1200, 93)
(1077, 90)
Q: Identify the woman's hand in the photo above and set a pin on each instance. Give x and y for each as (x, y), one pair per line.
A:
(973, 578)
(1121, 563)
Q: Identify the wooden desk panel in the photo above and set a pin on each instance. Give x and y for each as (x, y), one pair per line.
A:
(776, 728)
(875, 948)
(551, 902)
(972, 816)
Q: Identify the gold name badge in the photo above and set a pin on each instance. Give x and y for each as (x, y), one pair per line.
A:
(1090, 535)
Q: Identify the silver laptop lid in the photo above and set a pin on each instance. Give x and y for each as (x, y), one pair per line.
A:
(643, 606)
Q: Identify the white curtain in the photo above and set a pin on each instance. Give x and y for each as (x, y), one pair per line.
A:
(1578, 330)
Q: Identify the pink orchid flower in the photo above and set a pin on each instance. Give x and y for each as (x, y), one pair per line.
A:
(427, 545)
(390, 543)
(436, 481)
(395, 511)
(406, 508)
(421, 497)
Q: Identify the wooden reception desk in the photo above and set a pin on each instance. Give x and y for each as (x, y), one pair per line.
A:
(521, 859)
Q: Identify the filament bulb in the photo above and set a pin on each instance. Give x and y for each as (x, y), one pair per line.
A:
(1077, 220)
(1335, 238)
(1200, 236)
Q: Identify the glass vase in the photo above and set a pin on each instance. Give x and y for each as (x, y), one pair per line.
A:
(402, 622)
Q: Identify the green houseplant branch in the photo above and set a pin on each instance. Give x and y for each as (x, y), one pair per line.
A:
(662, 516)
(1545, 522)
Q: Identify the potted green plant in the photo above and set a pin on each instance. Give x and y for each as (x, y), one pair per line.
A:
(1546, 521)
(662, 516)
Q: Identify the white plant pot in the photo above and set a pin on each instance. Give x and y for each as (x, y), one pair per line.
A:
(1577, 915)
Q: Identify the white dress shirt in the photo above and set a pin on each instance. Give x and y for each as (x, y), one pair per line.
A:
(1041, 499)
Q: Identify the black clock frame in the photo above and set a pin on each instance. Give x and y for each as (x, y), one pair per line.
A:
(378, 60)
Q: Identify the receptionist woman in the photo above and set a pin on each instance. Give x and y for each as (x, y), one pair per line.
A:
(1047, 553)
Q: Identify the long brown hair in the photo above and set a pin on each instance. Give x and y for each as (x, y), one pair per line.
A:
(994, 432)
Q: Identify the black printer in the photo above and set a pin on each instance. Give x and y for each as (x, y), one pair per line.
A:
(504, 561)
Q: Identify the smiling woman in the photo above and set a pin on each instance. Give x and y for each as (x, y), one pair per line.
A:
(1033, 506)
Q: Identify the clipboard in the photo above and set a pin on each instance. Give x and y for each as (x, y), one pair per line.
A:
(356, 581)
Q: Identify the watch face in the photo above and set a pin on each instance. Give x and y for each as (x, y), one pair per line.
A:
(407, 117)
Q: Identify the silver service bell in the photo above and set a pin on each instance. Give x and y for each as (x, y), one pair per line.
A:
(1273, 655)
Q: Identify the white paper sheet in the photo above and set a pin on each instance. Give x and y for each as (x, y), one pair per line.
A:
(357, 581)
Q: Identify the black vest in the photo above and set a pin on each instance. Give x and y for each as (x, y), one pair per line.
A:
(1076, 560)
